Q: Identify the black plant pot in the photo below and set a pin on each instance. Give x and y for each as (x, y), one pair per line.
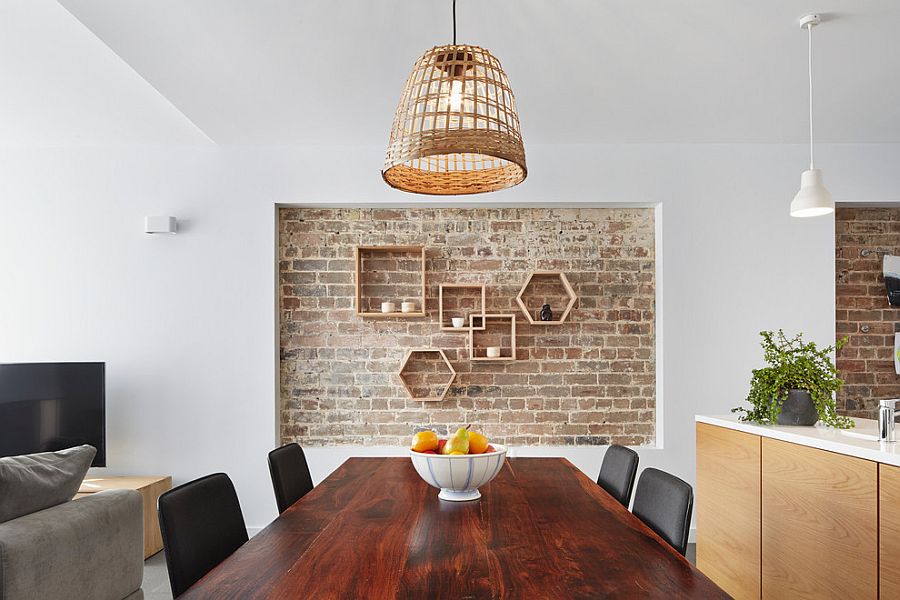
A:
(798, 409)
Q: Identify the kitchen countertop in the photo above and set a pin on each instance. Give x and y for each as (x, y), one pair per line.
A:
(818, 436)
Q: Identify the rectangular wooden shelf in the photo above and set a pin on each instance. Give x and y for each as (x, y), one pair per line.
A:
(476, 353)
(364, 303)
(391, 315)
(471, 316)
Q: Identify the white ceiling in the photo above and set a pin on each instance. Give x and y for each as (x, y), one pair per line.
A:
(584, 71)
(60, 85)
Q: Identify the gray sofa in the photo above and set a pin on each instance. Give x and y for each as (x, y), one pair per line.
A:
(91, 548)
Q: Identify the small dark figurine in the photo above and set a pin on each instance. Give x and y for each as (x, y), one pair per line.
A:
(546, 313)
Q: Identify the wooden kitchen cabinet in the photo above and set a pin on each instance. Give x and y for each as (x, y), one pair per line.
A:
(889, 538)
(797, 512)
(819, 523)
(728, 509)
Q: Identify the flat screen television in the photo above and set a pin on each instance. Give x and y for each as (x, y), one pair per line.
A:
(52, 406)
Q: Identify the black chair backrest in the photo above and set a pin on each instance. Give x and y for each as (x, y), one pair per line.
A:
(664, 502)
(201, 524)
(290, 475)
(617, 473)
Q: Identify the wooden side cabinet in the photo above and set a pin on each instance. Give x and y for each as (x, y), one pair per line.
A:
(889, 531)
(782, 520)
(728, 509)
(150, 489)
(819, 523)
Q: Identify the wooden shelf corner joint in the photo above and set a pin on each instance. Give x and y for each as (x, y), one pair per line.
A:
(507, 351)
(403, 375)
(471, 316)
(362, 307)
(562, 281)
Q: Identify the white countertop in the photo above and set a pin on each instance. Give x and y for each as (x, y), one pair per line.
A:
(825, 438)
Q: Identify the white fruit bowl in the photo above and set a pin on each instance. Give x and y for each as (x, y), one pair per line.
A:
(459, 476)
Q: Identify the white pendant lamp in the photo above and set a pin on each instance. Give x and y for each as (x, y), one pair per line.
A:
(813, 199)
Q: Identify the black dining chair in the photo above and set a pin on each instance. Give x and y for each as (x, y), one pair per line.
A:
(664, 503)
(201, 524)
(290, 475)
(617, 473)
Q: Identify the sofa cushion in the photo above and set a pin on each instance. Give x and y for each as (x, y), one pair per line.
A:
(33, 482)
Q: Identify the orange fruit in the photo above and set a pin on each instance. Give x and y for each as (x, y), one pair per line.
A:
(477, 443)
(424, 441)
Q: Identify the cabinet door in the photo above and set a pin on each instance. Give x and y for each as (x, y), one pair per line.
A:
(728, 509)
(890, 531)
(820, 524)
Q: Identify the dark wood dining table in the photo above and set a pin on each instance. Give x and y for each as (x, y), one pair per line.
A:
(374, 529)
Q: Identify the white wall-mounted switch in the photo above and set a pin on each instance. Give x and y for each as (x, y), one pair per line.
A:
(160, 225)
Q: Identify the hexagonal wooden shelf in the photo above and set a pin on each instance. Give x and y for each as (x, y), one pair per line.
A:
(541, 278)
(410, 387)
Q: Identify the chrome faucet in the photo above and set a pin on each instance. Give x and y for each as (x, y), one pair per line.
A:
(887, 411)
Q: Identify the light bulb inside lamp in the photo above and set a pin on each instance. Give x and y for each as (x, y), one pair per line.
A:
(456, 89)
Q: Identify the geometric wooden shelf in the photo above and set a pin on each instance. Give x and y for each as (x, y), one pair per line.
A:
(438, 381)
(369, 307)
(536, 290)
(446, 323)
(483, 336)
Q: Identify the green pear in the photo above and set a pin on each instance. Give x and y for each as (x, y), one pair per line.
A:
(458, 444)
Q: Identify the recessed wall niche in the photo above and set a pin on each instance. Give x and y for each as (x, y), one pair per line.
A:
(863, 234)
(589, 380)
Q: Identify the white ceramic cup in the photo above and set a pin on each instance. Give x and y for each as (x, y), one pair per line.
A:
(388, 307)
(408, 306)
(493, 351)
(458, 322)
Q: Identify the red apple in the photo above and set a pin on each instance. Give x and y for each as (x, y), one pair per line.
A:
(440, 447)
(490, 449)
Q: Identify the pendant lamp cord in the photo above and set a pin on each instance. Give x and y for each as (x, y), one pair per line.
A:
(454, 22)
(812, 164)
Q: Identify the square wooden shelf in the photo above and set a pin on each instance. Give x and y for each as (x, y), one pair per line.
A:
(446, 292)
(487, 335)
(425, 382)
(543, 287)
(373, 263)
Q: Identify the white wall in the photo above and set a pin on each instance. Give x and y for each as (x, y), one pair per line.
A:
(186, 324)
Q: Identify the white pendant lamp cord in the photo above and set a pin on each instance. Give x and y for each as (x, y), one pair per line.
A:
(812, 164)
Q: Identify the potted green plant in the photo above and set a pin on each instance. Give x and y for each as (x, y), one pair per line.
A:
(798, 385)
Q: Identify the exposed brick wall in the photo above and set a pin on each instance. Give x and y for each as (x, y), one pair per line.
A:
(590, 380)
(863, 313)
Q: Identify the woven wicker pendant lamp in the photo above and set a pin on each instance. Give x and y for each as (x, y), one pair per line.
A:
(456, 130)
